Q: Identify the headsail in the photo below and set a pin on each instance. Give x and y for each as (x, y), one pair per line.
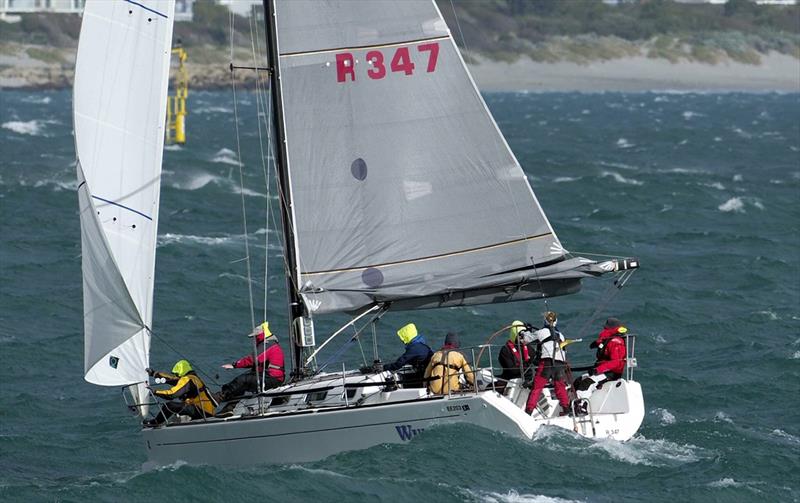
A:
(120, 95)
(404, 190)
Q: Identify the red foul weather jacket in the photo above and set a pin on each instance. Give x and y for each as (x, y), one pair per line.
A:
(611, 352)
(271, 354)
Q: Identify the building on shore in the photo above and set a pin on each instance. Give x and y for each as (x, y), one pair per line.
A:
(10, 10)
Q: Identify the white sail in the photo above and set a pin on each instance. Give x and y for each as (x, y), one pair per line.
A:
(404, 190)
(120, 96)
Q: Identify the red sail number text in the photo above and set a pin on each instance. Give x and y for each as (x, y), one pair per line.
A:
(379, 64)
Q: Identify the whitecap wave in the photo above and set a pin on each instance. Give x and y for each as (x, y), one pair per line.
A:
(624, 143)
(643, 451)
(684, 171)
(237, 277)
(199, 180)
(212, 110)
(786, 436)
(769, 314)
(248, 192)
(169, 238)
(565, 179)
(741, 132)
(726, 482)
(737, 204)
(226, 156)
(515, 497)
(689, 115)
(173, 147)
(31, 128)
(734, 204)
(196, 182)
(618, 165)
(664, 416)
(796, 355)
(621, 179)
(319, 471)
(723, 417)
(738, 178)
(37, 100)
(57, 185)
(714, 185)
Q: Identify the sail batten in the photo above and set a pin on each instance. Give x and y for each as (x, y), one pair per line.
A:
(364, 47)
(120, 94)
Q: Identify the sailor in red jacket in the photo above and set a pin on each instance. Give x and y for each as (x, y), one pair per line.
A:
(270, 355)
(611, 355)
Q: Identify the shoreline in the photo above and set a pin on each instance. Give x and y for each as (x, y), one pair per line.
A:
(777, 72)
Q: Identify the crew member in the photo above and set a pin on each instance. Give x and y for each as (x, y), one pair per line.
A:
(552, 365)
(446, 367)
(270, 355)
(514, 356)
(611, 356)
(417, 354)
(188, 395)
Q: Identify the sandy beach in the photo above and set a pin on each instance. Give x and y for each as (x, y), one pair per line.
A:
(777, 72)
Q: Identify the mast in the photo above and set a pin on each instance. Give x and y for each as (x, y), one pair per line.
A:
(296, 307)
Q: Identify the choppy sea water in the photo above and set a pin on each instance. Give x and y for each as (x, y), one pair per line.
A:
(703, 188)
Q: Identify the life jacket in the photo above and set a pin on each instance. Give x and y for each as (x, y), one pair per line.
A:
(604, 340)
(446, 365)
(203, 400)
(197, 395)
(611, 352)
(525, 357)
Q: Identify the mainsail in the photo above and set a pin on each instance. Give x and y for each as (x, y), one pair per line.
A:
(120, 95)
(403, 189)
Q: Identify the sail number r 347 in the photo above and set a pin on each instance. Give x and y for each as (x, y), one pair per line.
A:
(400, 62)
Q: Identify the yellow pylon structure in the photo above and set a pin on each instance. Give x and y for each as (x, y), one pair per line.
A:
(176, 105)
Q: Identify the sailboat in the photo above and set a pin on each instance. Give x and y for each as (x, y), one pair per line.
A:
(398, 192)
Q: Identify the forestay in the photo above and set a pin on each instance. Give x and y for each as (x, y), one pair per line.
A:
(120, 95)
(403, 188)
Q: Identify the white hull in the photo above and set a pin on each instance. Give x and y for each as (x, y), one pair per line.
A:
(296, 435)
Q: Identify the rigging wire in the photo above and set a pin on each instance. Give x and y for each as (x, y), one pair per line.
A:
(605, 300)
(181, 355)
(458, 24)
(260, 106)
(241, 182)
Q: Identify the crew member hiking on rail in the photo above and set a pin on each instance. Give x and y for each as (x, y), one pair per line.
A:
(188, 395)
(417, 354)
(611, 355)
(446, 367)
(270, 355)
(552, 365)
